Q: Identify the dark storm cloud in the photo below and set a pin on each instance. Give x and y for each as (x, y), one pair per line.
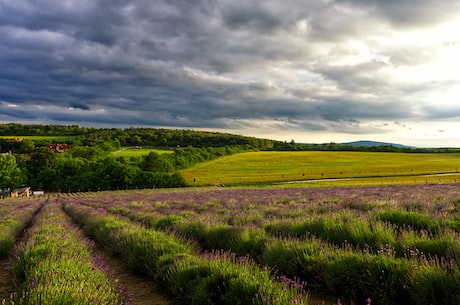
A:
(80, 106)
(409, 12)
(205, 63)
(363, 77)
(442, 112)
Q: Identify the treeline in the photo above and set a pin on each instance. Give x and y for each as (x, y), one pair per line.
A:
(291, 146)
(172, 138)
(135, 136)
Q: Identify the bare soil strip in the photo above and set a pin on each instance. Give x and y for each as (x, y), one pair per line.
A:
(6, 280)
(144, 290)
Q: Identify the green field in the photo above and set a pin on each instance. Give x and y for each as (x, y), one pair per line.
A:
(326, 168)
(128, 152)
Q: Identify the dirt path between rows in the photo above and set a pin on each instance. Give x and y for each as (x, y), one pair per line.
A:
(6, 280)
(144, 290)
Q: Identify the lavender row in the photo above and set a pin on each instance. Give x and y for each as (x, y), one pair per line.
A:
(216, 277)
(357, 224)
(55, 265)
(15, 215)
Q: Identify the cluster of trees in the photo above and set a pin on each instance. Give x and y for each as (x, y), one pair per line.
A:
(90, 166)
(51, 171)
(69, 173)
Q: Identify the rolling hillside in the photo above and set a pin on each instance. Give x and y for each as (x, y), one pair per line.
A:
(366, 143)
(268, 167)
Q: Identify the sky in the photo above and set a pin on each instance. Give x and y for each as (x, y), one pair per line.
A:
(312, 71)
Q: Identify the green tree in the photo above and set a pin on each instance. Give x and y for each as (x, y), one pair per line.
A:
(159, 180)
(87, 152)
(69, 173)
(27, 146)
(177, 180)
(11, 175)
(47, 180)
(154, 162)
(111, 174)
(41, 159)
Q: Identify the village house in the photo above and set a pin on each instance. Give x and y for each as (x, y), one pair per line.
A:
(23, 191)
(59, 147)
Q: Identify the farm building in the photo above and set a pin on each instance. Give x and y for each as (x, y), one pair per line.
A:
(23, 191)
(38, 193)
(6, 192)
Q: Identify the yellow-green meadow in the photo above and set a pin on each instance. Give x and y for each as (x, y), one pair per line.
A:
(326, 167)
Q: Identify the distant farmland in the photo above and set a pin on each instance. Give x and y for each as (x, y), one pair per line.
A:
(128, 152)
(325, 168)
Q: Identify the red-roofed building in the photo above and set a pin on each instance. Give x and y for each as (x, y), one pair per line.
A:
(58, 147)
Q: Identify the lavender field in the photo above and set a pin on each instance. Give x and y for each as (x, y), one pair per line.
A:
(356, 245)
(384, 244)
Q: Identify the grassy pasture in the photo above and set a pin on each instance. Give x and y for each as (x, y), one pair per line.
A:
(128, 152)
(326, 168)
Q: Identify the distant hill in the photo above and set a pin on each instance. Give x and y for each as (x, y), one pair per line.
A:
(374, 143)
